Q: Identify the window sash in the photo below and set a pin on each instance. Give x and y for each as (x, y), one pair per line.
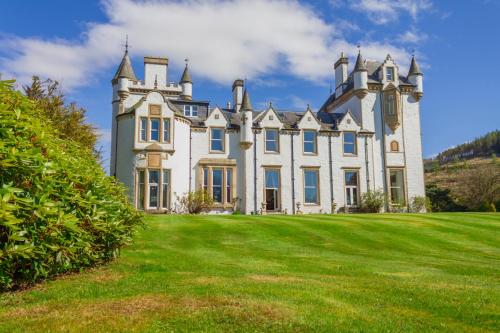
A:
(154, 129)
(191, 110)
(272, 139)
(143, 128)
(217, 139)
(141, 183)
(153, 188)
(311, 186)
(217, 185)
(349, 143)
(166, 189)
(396, 187)
(390, 73)
(166, 130)
(310, 138)
(351, 181)
(229, 185)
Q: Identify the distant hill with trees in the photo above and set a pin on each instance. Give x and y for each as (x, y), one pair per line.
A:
(466, 177)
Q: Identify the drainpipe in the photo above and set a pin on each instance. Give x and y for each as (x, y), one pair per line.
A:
(190, 157)
(255, 172)
(367, 164)
(330, 163)
(293, 174)
(384, 159)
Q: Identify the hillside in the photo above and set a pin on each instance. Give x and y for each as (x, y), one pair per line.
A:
(310, 273)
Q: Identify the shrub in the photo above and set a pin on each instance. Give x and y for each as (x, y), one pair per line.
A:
(196, 202)
(59, 211)
(441, 199)
(372, 202)
(419, 204)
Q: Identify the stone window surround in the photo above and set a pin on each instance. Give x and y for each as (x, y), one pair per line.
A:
(318, 190)
(148, 126)
(277, 130)
(315, 152)
(388, 175)
(273, 168)
(355, 143)
(146, 187)
(223, 166)
(223, 151)
(358, 194)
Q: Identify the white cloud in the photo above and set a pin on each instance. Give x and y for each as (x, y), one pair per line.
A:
(223, 40)
(385, 11)
(412, 36)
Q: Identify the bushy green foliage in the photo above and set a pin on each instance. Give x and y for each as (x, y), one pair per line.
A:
(441, 199)
(419, 204)
(195, 202)
(59, 211)
(372, 202)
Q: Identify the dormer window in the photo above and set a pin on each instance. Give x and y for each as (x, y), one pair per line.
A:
(191, 110)
(390, 73)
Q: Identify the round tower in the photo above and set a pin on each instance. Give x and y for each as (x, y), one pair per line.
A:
(415, 76)
(360, 77)
(246, 121)
(186, 84)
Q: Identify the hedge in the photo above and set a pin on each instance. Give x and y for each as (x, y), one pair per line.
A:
(59, 211)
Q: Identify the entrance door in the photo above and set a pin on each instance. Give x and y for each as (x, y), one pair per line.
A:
(272, 190)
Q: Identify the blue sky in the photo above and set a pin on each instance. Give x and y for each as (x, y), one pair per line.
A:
(286, 50)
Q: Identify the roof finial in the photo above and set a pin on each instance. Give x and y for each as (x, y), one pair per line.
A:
(413, 52)
(186, 61)
(126, 44)
(359, 48)
(270, 104)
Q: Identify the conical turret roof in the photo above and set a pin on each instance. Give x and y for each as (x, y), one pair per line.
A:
(245, 103)
(125, 69)
(414, 68)
(360, 64)
(186, 78)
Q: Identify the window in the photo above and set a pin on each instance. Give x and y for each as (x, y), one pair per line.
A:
(166, 189)
(205, 179)
(394, 146)
(219, 183)
(141, 183)
(229, 184)
(310, 142)
(311, 181)
(272, 189)
(351, 188)
(191, 110)
(350, 143)
(153, 185)
(390, 105)
(144, 129)
(390, 73)
(155, 129)
(396, 186)
(217, 139)
(166, 130)
(272, 140)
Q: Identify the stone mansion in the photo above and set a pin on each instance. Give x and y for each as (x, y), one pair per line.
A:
(365, 137)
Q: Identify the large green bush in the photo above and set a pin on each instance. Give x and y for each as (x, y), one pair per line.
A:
(59, 211)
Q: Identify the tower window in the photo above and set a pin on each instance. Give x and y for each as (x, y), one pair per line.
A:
(390, 73)
(155, 129)
(191, 110)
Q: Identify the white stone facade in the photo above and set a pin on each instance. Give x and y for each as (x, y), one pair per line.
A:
(365, 137)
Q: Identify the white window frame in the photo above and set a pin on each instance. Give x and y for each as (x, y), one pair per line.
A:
(316, 171)
(276, 141)
(191, 110)
(222, 139)
(391, 76)
(314, 142)
(351, 188)
(354, 143)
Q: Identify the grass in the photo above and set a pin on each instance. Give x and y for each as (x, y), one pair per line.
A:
(344, 273)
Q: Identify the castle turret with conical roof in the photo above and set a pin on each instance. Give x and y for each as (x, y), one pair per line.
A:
(246, 121)
(360, 77)
(186, 84)
(123, 74)
(415, 76)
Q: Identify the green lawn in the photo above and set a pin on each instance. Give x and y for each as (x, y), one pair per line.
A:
(311, 273)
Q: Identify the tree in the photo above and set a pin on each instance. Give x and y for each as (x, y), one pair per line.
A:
(67, 119)
(481, 187)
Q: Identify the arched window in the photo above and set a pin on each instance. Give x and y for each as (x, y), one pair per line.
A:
(394, 146)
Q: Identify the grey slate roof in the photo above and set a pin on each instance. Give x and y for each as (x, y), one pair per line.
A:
(360, 64)
(125, 69)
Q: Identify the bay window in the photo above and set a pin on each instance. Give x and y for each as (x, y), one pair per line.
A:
(218, 182)
(154, 134)
(153, 189)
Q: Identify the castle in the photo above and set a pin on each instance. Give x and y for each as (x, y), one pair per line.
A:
(365, 137)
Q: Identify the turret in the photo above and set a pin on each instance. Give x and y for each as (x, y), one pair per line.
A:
(246, 121)
(123, 74)
(237, 94)
(186, 84)
(360, 77)
(340, 74)
(415, 76)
